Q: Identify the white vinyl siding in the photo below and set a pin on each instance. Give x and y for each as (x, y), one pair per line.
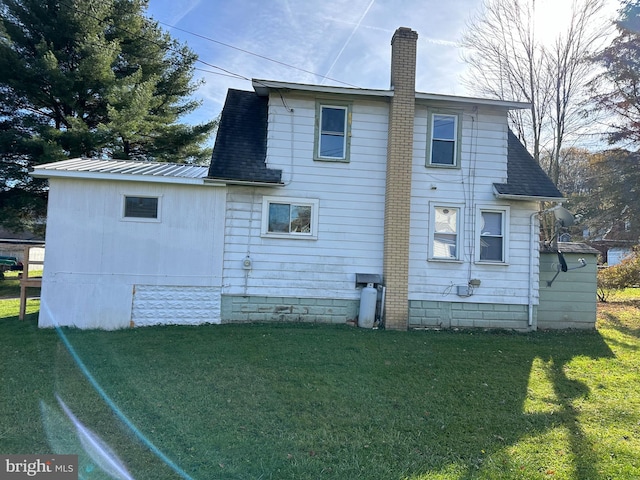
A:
(351, 218)
(350, 215)
(483, 162)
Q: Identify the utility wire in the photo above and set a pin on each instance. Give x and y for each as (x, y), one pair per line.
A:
(324, 77)
(175, 50)
(159, 44)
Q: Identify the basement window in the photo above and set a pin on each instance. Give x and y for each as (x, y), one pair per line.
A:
(289, 218)
(138, 208)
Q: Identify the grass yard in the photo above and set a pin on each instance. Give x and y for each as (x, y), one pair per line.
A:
(10, 286)
(318, 401)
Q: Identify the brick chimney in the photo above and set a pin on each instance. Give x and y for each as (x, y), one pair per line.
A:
(397, 213)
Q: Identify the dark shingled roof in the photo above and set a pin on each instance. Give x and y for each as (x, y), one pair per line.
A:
(524, 176)
(240, 150)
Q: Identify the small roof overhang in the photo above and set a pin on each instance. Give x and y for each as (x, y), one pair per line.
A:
(492, 102)
(124, 170)
(570, 247)
(249, 183)
(526, 198)
(262, 88)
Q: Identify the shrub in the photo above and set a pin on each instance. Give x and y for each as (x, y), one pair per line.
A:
(623, 275)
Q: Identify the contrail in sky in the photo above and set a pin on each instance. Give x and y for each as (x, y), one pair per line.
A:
(349, 39)
(421, 38)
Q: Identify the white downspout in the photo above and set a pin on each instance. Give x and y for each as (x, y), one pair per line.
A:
(532, 241)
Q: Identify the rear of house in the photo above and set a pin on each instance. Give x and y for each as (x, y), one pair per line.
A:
(312, 192)
(431, 194)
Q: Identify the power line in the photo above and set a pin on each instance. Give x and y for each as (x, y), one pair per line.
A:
(254, 54)
(159, 44)
(226, 72)
(216, 73)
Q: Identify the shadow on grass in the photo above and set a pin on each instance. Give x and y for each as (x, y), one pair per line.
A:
(569, 392)
(611, 313)
(294, 401)
(508, 422)
(310, 401)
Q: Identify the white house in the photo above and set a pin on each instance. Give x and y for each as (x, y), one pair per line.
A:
(312, 192)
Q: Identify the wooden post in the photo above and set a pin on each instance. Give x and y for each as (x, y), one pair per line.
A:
(27, 281)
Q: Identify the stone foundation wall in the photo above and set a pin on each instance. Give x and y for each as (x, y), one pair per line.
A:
(238, 308)
(431, 314)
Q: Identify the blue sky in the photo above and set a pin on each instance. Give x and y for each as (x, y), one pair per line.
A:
(346, 40)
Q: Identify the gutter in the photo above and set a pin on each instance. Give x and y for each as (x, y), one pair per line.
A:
(527, 198)
(262, 87)
(221, 181)
(124, 177)
(532, 235)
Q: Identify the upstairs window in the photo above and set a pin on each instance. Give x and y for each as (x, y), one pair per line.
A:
(332, 136)
(141, 208)
(444, 140)
(289, 217)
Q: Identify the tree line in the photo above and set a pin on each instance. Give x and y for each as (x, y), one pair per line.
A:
(582, 83)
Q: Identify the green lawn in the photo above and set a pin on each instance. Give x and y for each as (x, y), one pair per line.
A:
(300, 401)
(10, 286)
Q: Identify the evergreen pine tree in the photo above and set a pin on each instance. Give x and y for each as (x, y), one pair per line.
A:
(619, 86)
(88, 78)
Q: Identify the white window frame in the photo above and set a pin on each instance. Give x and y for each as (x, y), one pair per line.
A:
(505, 213)
(320, 105)
(125, 218)
(456, 140)
(305, 202)
(434, 206)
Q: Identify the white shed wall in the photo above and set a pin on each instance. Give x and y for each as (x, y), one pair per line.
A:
(95, 259)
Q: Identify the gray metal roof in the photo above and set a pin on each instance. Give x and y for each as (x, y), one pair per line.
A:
(123, 170)
(570, 247)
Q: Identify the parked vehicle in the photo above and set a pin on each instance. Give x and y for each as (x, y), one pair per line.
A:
(8, 263)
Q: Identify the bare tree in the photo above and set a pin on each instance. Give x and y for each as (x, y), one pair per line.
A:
(506, 62)
(571, 68)
(509, 61)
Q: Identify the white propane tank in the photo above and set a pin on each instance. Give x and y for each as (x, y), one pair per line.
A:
(368, 301)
